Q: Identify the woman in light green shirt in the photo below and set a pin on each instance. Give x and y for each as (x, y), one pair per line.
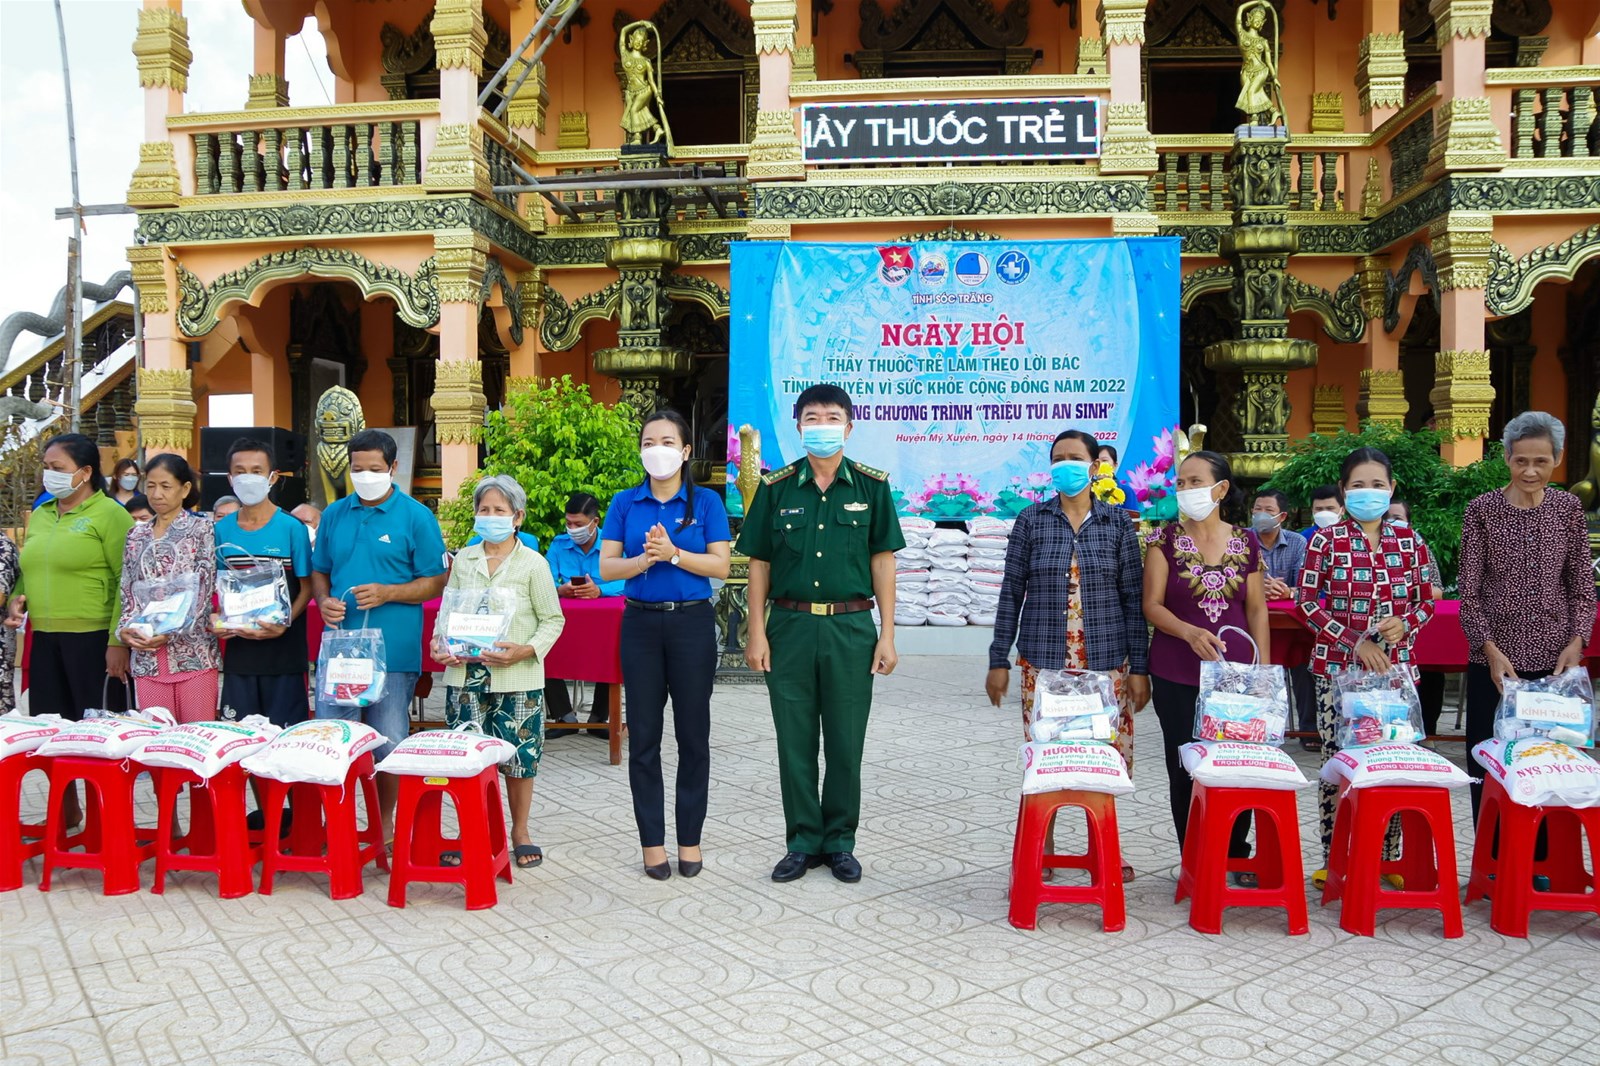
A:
(502, 692)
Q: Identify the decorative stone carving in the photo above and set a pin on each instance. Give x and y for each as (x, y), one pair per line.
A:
(1460, 18)
(763, 230)
(1462, 394)
(526, 109)
(162, 49)
(1373, 271)
(1091, 55)
(1381, 71)
(573, 131)
(155, 181)
(804, 64)
(1122, 21)
(459, 36)
(1372, 190)
(530, 299)
(1512, 281)
(1327, 112)
(148, 266)
(267, 91)
(1260, 92)
(774, 25)
(1127, 147)
(775, 153)
(416, 295)
(1327, 409)
(166, 409)
(458, 400)
(1465, 138)
(1135, 224)
(460, 260)
(338, 418)
(1461, 243)
(457, 163)
(1383, 397)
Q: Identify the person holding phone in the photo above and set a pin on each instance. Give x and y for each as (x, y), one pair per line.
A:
(574, 559)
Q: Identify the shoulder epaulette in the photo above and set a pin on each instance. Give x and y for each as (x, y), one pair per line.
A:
(782, 472)
(870, 471)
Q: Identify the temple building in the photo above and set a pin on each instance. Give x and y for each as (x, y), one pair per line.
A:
(514, 188)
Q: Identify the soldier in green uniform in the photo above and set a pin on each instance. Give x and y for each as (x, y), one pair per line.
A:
(821, 536)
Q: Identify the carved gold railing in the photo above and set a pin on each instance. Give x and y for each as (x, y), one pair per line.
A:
(1552, 110)
(1192, 175)
(294, 149)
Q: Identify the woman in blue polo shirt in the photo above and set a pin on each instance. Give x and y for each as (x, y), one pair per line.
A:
(667, 541)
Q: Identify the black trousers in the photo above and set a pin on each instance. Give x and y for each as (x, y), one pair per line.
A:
(1430, 693)
(1305, 699)
(1174, 705)
(669, 653)
(67, 675)
(558, 700)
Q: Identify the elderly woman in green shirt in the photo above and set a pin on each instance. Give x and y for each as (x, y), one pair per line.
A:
(502, 691)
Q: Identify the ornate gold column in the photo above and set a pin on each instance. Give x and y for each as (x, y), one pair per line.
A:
(1383, 395)
(462, 257)
(1381, 72)
(775, 153)
(1127, 146)
(1256, 365)
(268, 88)
(1465, 136)
(1327, 409)
(161, 49)
(457, 162)
(1462, 394)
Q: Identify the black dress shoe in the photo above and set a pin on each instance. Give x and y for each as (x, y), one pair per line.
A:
(844, 866)
(688, 868)
(660, 871)
(794, 865)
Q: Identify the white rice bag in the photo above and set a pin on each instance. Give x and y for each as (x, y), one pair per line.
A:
(1539, 772)
(911, 559)
(319, 751)
(923, 526)
(1086, 766)
(981, 617)
(949, 598)
(1234, 764)
(206, 748)
(911, 597)
(1392, 764)
(21, 733)
(990, 527)
(946, 581)
(981, 542)
(947, 538)
(446, 753)
(911, 616)
(947, 551)
(951, 563)
(947, 616)
(110, 736)
(903, 578)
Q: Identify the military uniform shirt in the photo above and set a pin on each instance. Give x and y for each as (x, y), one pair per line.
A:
(820, 544)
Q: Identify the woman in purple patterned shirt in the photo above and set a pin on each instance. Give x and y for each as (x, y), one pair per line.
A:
(1527, 591)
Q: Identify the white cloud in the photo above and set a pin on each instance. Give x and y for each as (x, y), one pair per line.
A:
(108, 107)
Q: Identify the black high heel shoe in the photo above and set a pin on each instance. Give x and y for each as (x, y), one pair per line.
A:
(659, 872)
(690, 868)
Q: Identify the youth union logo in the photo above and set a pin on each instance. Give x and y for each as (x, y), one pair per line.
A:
(896, 266)
(934, 270)
(972, 268)
(1013, 267)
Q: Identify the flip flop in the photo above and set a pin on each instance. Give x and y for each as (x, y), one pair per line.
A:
(531, 852)
(449, 858)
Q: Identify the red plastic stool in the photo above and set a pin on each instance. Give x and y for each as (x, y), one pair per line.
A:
(19, 840)
(111, 841)
(1507, 879)
(1280, 878)
(419, 836)
(324, 837)
(1427, 861)
(217, 841)
(1103, 859)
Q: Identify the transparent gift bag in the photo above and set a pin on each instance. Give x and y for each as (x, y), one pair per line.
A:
(162, 605)
(473, 620)
(1247, 702)
(351, 669)
(1559, 708)
(250, 599)
(1074, 705)
(1376, 708)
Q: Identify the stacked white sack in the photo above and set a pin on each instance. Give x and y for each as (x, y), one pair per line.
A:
(986, 564)
(911, 573)
(949, 594)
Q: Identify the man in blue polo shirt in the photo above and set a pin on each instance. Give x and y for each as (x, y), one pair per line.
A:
(380, 553)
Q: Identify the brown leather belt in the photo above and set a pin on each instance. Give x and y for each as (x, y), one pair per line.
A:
(846, 607)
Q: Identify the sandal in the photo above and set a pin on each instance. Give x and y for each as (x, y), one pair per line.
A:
(530, 852)
(1244, 879)
(449, 858)
(1127, 874)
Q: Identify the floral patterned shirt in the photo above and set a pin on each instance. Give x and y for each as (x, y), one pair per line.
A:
(186, 547)
(1203, 595)
(1346, 588)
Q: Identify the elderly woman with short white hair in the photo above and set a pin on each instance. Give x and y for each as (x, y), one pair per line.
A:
(1527, 590)
(502, 690)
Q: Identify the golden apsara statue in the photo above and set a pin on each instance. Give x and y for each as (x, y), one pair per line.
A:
(644, 116)
(1260, 95)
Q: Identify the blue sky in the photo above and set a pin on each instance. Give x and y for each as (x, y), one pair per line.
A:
(34, 176)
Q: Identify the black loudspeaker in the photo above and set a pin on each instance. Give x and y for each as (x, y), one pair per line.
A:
(288, 448)
(288, 493)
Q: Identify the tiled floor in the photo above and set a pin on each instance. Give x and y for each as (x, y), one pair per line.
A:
(586, 961)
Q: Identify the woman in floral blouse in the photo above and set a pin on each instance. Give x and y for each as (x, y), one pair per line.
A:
(1201, 574)
(1364, 593)
(177, 670)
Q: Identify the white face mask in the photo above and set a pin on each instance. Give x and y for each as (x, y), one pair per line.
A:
(129, 482)
(661, 461)
(371, 486)
(1324, 519)
(580, 535)
(1196, 504)
(250, 488)
(60, 483)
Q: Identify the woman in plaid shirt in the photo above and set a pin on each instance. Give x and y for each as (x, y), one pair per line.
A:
(1363, 604)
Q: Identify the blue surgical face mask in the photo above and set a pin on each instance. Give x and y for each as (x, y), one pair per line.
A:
(1069, 476)
(822, 441)
(493, 528)
(1366, 505)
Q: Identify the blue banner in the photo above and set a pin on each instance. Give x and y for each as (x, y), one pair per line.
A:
(964, 359)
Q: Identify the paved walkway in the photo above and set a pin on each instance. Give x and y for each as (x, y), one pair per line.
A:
(587, 961)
